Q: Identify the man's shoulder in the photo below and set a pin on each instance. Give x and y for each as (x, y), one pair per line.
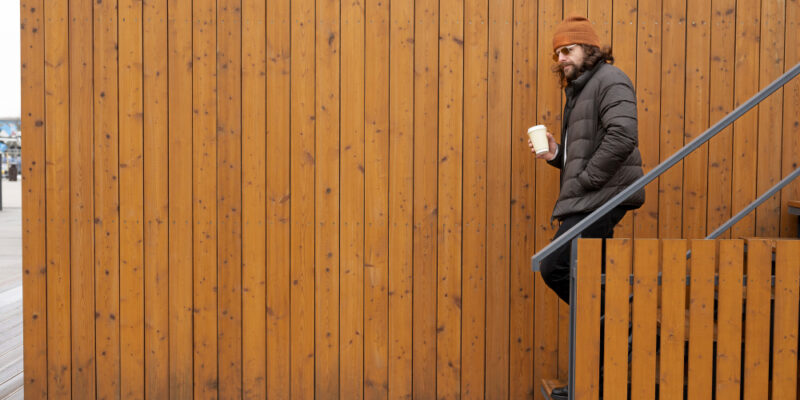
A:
(609, 74)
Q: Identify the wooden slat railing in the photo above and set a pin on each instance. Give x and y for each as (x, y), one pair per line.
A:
(715, 304)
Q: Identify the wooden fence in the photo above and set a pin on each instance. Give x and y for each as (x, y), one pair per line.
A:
(723, 324)
(242, 198)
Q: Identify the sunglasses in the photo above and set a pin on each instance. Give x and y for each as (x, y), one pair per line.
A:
(565, 50)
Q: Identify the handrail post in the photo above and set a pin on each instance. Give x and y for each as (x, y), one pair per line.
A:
(573, 294)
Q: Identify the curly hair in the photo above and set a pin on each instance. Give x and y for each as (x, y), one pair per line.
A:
(594, 55)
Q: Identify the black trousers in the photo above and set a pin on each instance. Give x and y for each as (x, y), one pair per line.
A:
(555, 267)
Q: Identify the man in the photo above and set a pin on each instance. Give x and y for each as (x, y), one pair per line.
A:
(598, 156)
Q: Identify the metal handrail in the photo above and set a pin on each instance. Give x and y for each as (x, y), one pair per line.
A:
(769, 193)
(661, 168)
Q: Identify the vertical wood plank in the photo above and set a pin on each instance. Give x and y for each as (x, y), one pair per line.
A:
(376, 212)
(401, 197)
(326, 206)
(523, 203)
(449, 199)
(473, 322)
(729, 319)
(701, 319)
(426, 84)
(670, 184)
(56, 80)
(625, 13)
(587, 319)
(106, 200)
(673, 318)
(34, 228)
(784, 348)
(302, 206)
(229, 196)
(757, 326)
(254, 198)
(791, 121)
(180, 198)
(648, 94)
(645, 303)
(770, 115)
(498, 199)
(698, 42)
(599, 12)
(352, 243)
(81, 202)
(156, 203)
(745, 129)
(720, 152)
(204, 180)
(619, 253)
(131, 201)
(548, 113)
(279, 135)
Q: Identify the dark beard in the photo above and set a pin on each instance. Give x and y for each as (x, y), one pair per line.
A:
(574, 73)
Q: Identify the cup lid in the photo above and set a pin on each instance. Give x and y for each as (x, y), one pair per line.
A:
(533, 128)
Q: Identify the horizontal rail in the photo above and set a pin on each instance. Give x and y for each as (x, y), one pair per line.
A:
(661, 168)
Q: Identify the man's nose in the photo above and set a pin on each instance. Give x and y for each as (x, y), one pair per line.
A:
(562, 57)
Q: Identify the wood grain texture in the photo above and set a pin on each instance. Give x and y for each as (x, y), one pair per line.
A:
(643, 320)
(106, 200)
(376, 212)
(132, 200)
(156, 199)
(729, 319)
(426, 106)
(523, 204)
(745, 129)
(254, 199)
(449, 200)
(784, 342)
(721, 82)
(56, 194)
(757, 317)
(791, 121)
(353, 269)
(548, 113)
(587, 319)
(278, 198)
(498, 200)
(81, 205)
(401, 197)
(229, 196)
(619, 255)
(695, 185)
(181, 233)
(474, 278)
(649, 52)
(673, 318)
(34, 228)
(303, 160)
(204, 201)
(701, 319)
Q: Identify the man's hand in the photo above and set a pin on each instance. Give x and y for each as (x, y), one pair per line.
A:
(551, 141)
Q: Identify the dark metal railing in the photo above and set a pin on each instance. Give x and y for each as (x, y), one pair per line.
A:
(661, 168)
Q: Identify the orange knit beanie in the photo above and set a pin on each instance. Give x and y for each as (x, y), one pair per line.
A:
(575, 29)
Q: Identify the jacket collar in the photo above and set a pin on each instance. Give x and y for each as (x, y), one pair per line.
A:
(577, 85)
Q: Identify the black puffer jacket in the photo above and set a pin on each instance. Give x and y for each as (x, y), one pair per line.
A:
(602, 142)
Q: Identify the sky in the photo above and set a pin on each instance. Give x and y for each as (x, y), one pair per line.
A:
(9, 59)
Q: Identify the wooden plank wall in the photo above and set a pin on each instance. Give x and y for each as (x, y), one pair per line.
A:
(324, 198)
(735, 339)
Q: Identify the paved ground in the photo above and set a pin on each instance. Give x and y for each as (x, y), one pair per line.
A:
(11, 378)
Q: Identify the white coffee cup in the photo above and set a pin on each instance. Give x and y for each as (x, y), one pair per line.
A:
(538, 136)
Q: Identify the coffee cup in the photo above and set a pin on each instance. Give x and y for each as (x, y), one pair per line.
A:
(538, 136)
